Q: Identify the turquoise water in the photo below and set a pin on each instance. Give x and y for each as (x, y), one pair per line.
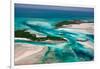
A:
(68, 51)
(71, 43)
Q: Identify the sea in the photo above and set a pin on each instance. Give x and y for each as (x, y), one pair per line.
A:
(50, 14)
(42, 19)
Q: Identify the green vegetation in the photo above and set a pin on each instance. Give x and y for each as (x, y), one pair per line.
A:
(24, 34)
(67, 23)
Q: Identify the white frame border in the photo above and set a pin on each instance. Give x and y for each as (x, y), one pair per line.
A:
(46, 2)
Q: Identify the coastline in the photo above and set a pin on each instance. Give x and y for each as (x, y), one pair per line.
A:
(31, 54)
(83, 27)
(28, 54)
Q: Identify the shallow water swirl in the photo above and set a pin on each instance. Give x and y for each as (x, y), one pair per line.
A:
(71, 50)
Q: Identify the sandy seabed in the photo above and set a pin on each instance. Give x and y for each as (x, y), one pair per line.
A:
(26, 54)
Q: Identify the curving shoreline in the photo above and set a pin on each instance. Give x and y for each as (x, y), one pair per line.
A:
(27, 58)
(28, 54)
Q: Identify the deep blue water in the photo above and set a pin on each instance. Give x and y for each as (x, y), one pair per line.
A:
(38, 11)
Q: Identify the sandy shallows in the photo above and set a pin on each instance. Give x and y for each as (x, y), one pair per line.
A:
(89, 27)
(28, 54)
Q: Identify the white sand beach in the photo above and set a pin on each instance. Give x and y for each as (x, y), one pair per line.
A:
(28, 54)
(84, 27)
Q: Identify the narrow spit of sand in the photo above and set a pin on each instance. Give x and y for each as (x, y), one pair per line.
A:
(84, 27)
